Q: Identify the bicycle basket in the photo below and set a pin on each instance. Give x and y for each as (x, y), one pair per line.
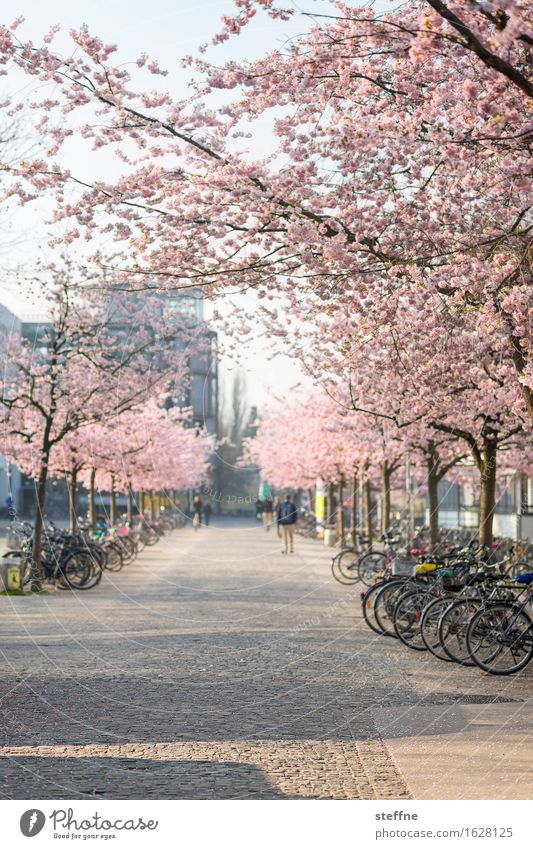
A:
(402, 568)
(13, 540)
(454, 579)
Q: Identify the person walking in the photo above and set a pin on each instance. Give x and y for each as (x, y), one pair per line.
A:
(268, 511)
(287, 517)
(207, 513)
(10, 508)
(196, 512)
(277, 502)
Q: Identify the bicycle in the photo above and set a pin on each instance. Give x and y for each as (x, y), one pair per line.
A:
(499, 636)
(344, 564)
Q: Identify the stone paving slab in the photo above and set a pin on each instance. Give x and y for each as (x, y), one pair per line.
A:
(268, 769)
(215, 667)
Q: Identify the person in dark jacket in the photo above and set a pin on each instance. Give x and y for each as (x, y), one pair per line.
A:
(207, 512)
(268, 510)
(287, 517)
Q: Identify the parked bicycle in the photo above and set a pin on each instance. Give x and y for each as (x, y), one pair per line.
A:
(459, 608)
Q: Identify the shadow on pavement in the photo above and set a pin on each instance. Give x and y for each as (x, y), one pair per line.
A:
(125, 778)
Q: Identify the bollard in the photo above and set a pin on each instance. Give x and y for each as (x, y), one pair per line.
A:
(329, 537)
(10, 574)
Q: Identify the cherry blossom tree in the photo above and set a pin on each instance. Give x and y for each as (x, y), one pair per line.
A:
(315, 438)
(93, 360)
(429, 369)
(441, 87)
(399, 193)
(147, 447)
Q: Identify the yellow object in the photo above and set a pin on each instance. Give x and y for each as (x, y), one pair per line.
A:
(422, 568)
(14, 581)
(320, 507)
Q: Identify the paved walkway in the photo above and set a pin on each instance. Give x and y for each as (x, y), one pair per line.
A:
(215, 667)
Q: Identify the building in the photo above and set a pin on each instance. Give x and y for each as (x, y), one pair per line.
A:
(513, 515)
(12, 482)
(199, 390)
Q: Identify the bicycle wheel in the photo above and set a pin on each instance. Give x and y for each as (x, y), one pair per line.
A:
(150, 537)
(385, 603)
(429, 627)
(368, 604)
(96, 551)
(408, 616)
(139, 543)
(127, 548)
(370, 565)
(76, 572)
(114, 558)
(452, 629)
(500, 638)
(344, 566)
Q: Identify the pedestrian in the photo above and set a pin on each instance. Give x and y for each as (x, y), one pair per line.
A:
(277, 502)
(11, 512)
(258, 509)
(287, 517)
(196, 512)
(268, 510)
(207, 513)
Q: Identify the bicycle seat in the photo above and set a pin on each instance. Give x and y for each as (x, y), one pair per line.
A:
(422, 568)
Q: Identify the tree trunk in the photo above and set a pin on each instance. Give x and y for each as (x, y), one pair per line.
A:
(72, 501)
(129, 515)
(330, 515)
(36, 566)
(520, 360)
(433, 498)
(340, 514)
(385, 482)
(487, 497)
(92, 508)
(152, 505)
(113, 503)
(367, 496)
(353, 529)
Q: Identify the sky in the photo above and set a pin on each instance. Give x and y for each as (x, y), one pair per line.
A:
(166, 30)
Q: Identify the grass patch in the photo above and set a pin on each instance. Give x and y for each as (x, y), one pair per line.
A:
(24, 592)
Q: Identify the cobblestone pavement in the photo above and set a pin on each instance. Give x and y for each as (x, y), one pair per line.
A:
(214, 667)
